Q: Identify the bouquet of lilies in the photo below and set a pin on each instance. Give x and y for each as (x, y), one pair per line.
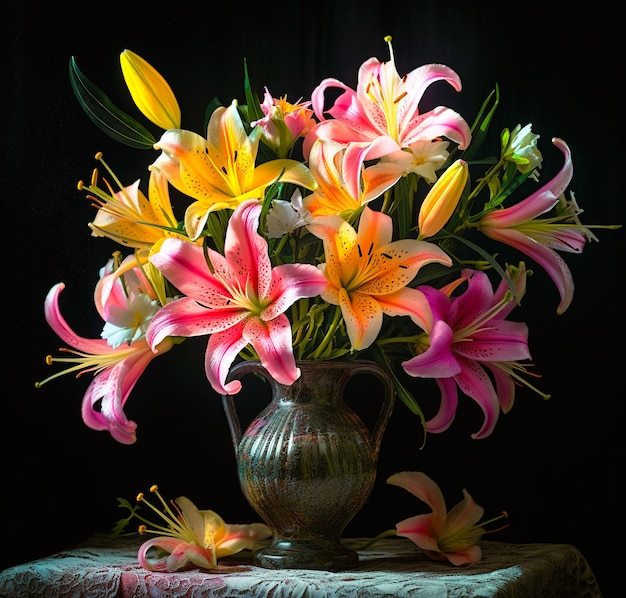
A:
(365, 226)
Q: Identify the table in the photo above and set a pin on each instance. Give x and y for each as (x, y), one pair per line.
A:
(392, 567)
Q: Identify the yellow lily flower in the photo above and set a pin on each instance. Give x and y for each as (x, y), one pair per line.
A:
(442, 199)
(150, 91)
(219, 172)
(193, 537)
(129, 217)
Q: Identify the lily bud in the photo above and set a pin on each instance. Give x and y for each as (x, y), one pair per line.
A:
(150, 91)
(442, 199)
(283, 123)
(520, 147)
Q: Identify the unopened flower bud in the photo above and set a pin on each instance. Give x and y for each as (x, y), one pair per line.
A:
(442, 199)
(150, 92)
(520, 147)
(283, 123)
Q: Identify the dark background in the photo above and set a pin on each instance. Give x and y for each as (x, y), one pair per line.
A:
(555, 466)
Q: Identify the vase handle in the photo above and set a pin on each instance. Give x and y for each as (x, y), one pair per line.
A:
(389, 395)
(232, 417)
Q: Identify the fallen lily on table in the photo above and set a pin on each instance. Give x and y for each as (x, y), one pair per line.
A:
(193, 538)
(442, 535)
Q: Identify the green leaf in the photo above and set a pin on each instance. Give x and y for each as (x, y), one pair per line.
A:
(122, 523)
(491, 260)
(254, 106)
(105, 115)
(481, 123)
(510, 183)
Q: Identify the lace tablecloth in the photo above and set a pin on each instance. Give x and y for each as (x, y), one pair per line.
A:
(392, 567)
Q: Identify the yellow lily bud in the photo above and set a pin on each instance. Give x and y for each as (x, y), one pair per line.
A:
(442, 199)
(150, 91)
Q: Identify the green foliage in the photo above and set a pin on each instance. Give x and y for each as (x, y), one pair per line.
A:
(105, 115)
(120, 525)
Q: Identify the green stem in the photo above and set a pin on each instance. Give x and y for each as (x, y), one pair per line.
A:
(410, 340)
(328, 337)
(386, 534)
(483, 181)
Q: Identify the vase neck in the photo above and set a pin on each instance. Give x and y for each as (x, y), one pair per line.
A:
(320, 382)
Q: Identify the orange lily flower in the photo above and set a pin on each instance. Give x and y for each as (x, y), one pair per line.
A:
(368, 274)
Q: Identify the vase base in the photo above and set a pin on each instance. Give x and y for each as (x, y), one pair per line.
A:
(317, 554)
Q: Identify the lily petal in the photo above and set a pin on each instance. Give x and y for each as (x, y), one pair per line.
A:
(385, 107)
(239, 301)
(219, 171)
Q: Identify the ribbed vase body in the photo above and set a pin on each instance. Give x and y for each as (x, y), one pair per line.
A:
(307, 463)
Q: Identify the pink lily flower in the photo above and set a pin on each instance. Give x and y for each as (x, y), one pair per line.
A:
(442, 535)
(239, 299)
(382, 116)
(519, 227)
(117, 362)
(468, 341)
(283, 123)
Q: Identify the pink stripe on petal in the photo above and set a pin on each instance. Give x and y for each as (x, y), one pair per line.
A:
(419, 530)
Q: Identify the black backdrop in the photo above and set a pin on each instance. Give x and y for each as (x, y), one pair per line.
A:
(555, 466)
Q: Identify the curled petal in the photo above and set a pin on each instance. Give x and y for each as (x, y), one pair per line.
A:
(475, 383)
(541, 201)
(505, 386)
(547, 258)
(58, 323)
(181, 554)
(465, 515)
(447, 408)
(470, 555)
(106, 390)
(222, 349)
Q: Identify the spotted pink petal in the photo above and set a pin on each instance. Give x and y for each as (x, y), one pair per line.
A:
(223, 301)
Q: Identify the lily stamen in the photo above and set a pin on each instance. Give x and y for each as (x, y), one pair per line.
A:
(174, 525)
